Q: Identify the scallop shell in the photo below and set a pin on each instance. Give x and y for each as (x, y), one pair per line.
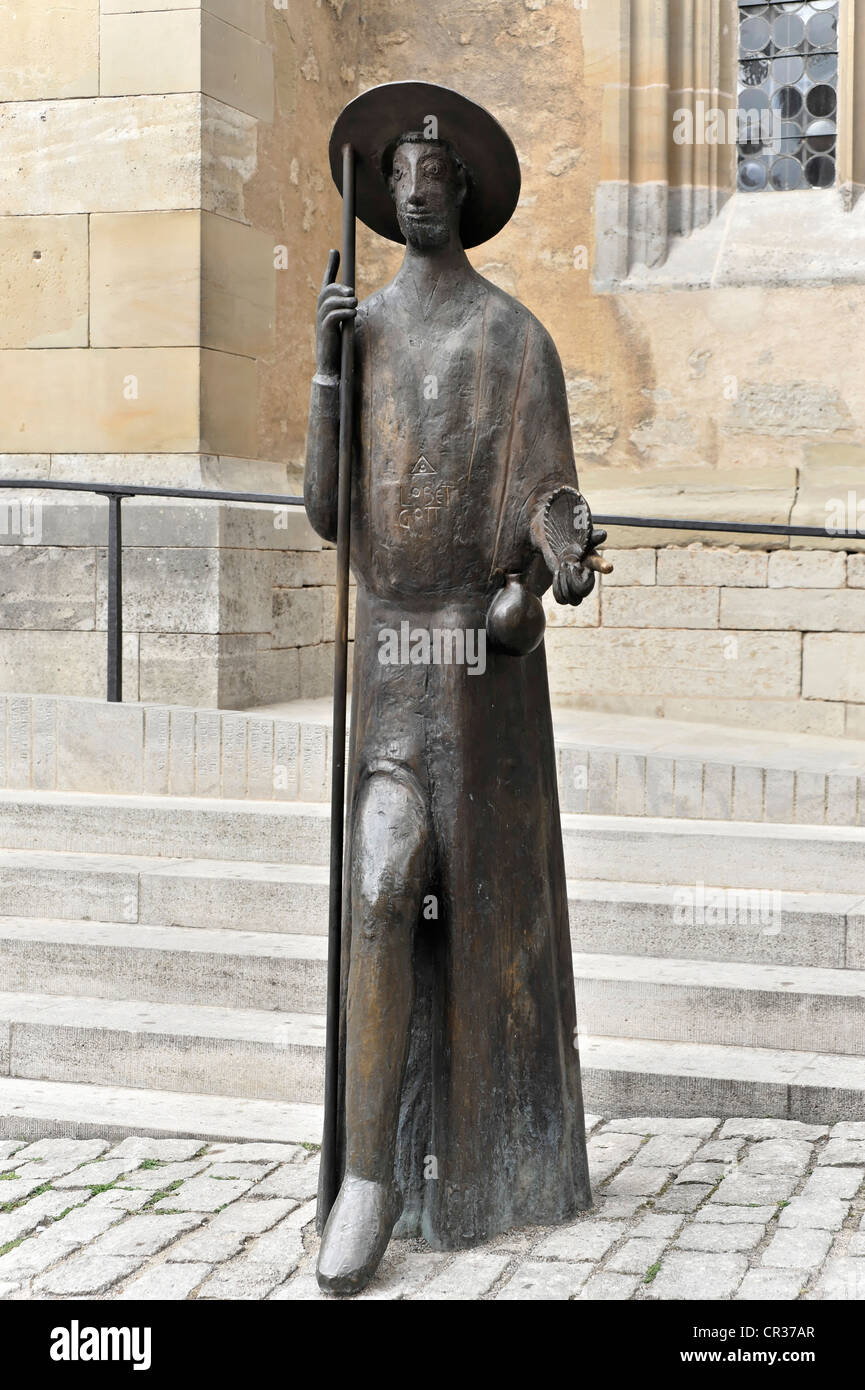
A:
(567, 522)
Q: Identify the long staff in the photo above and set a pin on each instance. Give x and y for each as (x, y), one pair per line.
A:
(329, 1179)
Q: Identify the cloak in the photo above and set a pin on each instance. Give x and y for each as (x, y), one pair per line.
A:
(461, 431)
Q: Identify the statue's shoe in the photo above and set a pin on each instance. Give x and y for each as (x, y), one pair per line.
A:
(356, 1235)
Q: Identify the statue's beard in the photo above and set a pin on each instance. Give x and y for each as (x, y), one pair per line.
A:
(424, 234)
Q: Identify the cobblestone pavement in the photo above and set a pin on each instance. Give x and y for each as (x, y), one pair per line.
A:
(696, 1208)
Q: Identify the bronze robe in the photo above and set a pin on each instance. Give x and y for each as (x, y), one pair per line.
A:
(462, 427)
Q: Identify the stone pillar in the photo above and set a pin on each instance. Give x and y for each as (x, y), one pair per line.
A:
(658, 67)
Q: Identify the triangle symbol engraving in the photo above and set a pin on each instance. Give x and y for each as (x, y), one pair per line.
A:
(423, 467)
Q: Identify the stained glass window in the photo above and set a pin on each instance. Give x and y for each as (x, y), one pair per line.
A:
(788, 96)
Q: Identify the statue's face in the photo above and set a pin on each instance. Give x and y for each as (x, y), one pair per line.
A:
(428, 191)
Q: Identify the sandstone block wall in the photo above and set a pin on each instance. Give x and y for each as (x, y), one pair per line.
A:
(761, 639)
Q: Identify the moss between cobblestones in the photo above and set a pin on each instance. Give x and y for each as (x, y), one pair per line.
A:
(37, 1192)
(10, 1245)
(163, 1192)
(651, 1272)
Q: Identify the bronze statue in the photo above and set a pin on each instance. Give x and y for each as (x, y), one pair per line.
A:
(460, 1107)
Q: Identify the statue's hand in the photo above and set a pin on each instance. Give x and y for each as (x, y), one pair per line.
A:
(336, 305)
(574, 577)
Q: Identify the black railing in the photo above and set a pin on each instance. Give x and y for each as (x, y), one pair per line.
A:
(116, 492)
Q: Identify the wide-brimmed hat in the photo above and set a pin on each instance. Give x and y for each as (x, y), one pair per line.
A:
(374, 120)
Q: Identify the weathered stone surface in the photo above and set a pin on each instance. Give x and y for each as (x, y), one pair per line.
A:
(468, 1277)
(144, 1235)
(791, 610)
(667, 1150)
(204, 1194)
(723, 1215)
(667, 1125)
(638, 1255)
(537, 1280)
(816, 1213)
(800, 1248)
(682, 1272)
(702, 1173)
(843, 1152)
(686, 1197)
(740, 1189)
(712, 565)
(101, 399)
(658, 607)
(777, 1156)
(150, 52)
(630, 567)
(773, 1285)
(639, 1181)
(584, 1240)
(834, 667)
(842, 1278)
(238, 291)
(73, 156)
(45, 269)
(609, 1287)
(716, 1236)
(808, 569)
(663, 663)
(87, 1274)
(166, 1282)
(49, 50)
(166, 1150)
(771, 1129)
(139, 262)
(834, 1182)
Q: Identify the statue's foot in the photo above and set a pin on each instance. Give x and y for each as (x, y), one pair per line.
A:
(356, 1235)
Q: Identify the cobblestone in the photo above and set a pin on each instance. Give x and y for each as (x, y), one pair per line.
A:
(716, 1236)
(822, 1213)
(773, 1285)
(843, 1151)
(834, 1182)
(801, 1248)
(743, 1209)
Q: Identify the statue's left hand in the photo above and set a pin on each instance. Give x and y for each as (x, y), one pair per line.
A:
(574, 578)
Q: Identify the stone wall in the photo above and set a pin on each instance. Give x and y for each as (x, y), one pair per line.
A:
(755, 638)
(223, 605)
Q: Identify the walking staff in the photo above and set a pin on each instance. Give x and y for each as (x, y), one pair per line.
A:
(329, 1179)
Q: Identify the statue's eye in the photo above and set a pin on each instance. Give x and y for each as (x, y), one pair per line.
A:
(433, 168)
(397, 175)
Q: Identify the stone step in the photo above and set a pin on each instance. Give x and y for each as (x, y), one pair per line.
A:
(609, 764)
(164, 965)
(620, 1077)
(678, 920)
(76, 1110)
(277, 1054)
(722, 1004)
(796, 858)
(636, 1076)
(251, 1054)
(280, 898)
(617, 995)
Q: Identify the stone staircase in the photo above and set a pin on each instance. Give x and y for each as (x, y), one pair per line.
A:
(162, 955)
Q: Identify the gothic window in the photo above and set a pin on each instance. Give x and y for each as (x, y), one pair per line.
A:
(788, 96)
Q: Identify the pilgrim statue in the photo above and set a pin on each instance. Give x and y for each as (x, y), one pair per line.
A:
(460, 1111)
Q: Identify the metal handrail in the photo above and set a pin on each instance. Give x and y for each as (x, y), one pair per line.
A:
(116, 492)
